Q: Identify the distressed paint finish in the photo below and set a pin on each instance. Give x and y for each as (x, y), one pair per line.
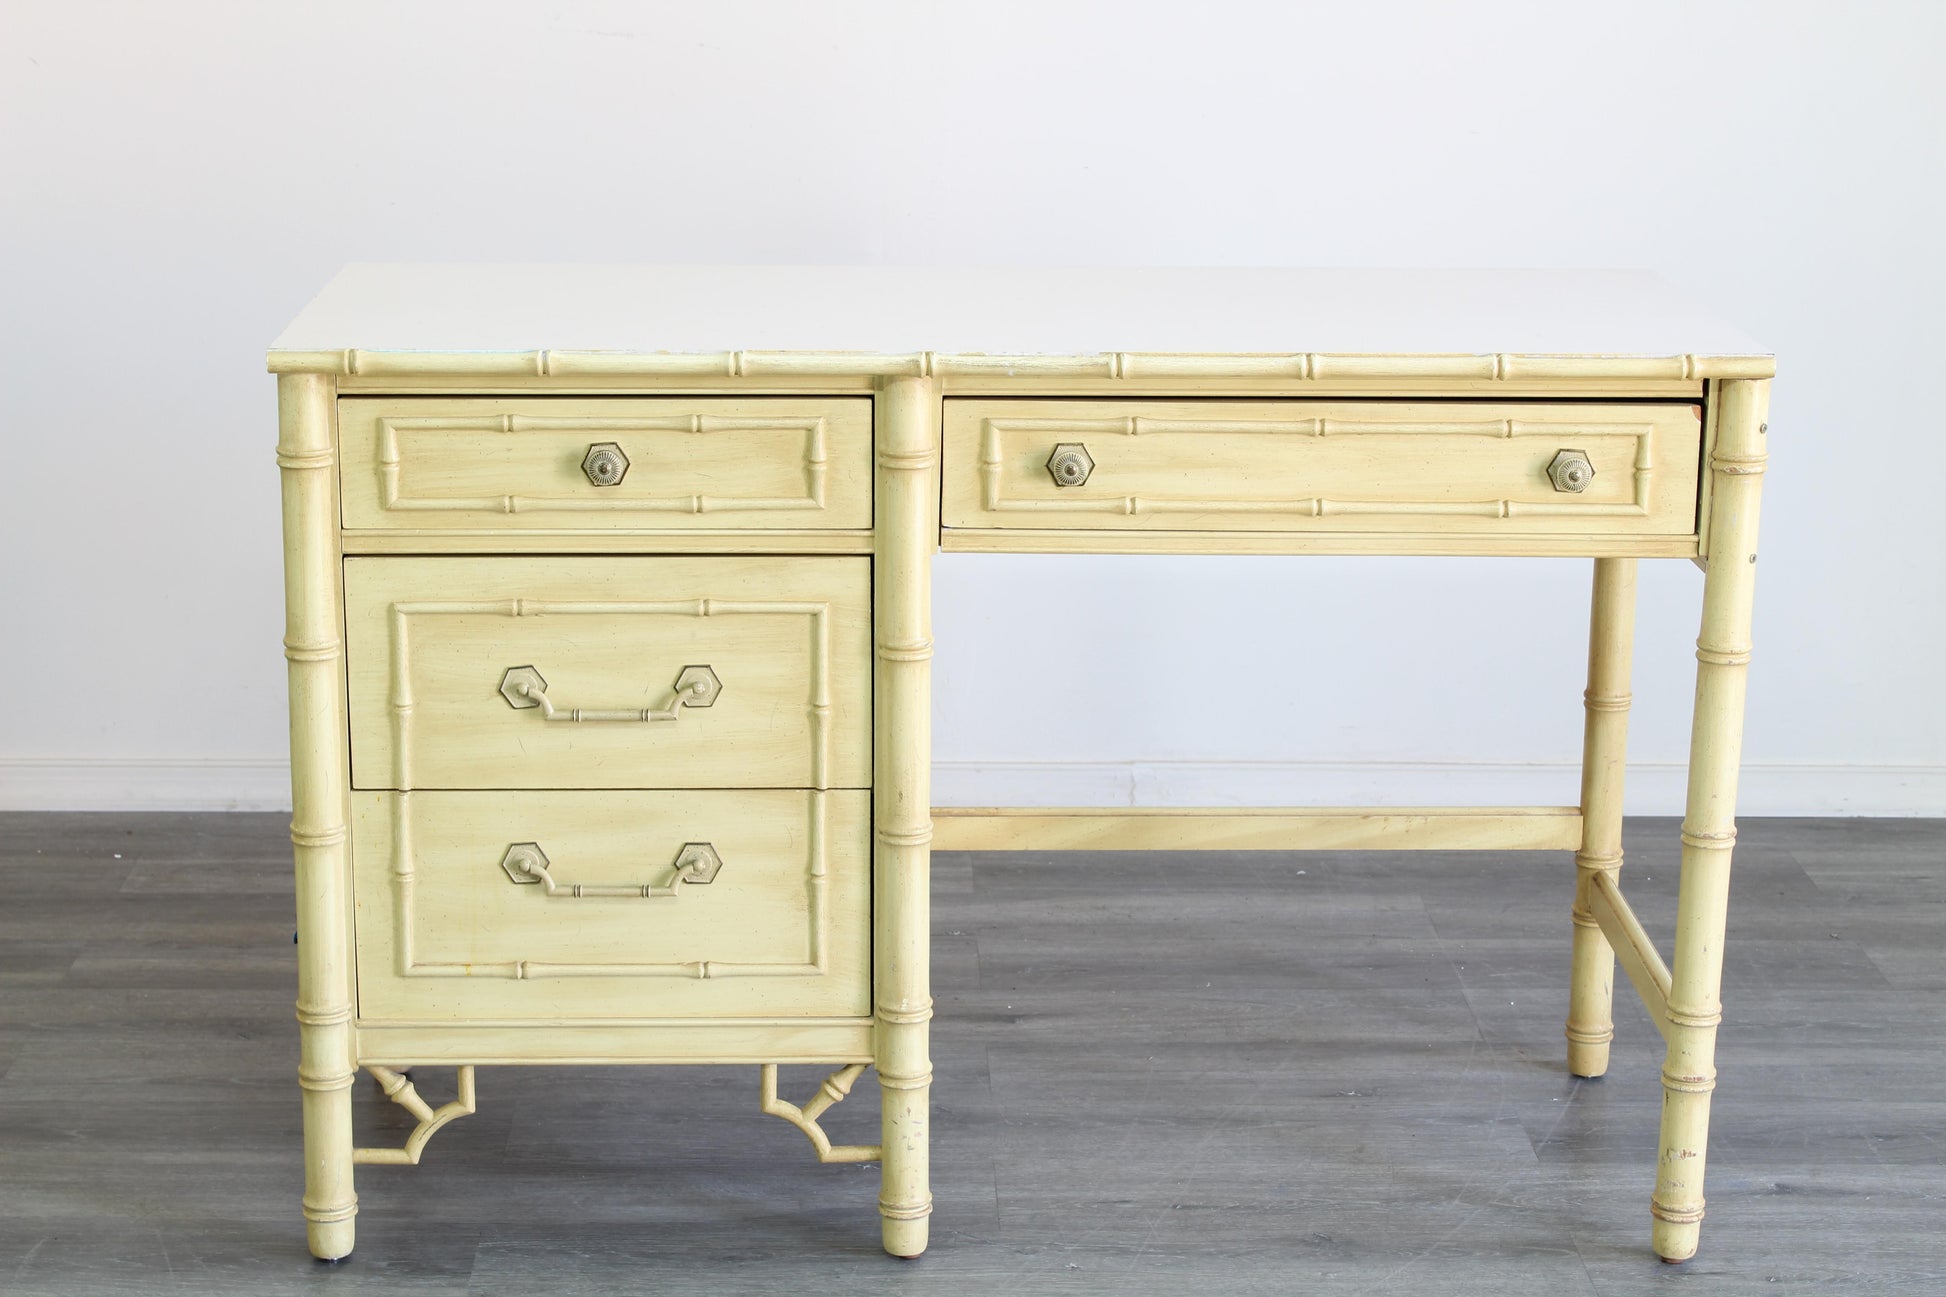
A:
(314, 646)
(473, 464)
(1309, 467)
(908, 527)
(787, 638)
(1709, 818)
(1604, 753)
(446, 935)
(1188, 367)
(463, 478)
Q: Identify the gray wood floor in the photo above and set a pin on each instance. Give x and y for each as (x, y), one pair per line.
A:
(1230, 1072)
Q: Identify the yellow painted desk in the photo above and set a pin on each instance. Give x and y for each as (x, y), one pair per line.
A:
(609, 632)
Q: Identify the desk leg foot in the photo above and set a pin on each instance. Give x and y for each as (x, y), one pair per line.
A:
(905, 1165)
(330, 1240)
(906, 1239)
(330, 1206)
(1604, 752)
(1675, 1241)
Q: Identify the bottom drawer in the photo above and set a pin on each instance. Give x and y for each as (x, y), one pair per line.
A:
(601, 904)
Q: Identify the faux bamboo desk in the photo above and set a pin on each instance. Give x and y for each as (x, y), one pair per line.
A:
(609, 632)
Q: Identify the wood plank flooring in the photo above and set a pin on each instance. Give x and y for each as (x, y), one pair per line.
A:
(1222, 1073)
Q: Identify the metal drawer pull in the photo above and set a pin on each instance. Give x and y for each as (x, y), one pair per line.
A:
(1571, 471)
(523, 687)
(697, 862)
(605, 464)
(1070, 463)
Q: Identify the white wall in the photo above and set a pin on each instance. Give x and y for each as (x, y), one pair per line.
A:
(179, 178)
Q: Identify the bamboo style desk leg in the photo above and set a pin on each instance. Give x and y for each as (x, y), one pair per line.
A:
(307, 456)
(1604, 754)
(1709, 817)
(908, 530)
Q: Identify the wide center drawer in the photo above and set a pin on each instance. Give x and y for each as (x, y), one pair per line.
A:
(1323, 466)
(567, 905)
(631, 463)
(716, 672)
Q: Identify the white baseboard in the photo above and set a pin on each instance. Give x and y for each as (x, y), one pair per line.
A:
(1652, 789)
(164, 784)
(155, 784)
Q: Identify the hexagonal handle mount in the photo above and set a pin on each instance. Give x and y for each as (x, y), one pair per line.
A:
(1571, 471)
(605, 464)
(696, 862)
(524, 687)
(1069, 464)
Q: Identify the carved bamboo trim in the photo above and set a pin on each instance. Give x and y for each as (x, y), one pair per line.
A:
(818, 705)
(1709, 823)
(816, 465)
(1605, 703)
(1298, 366)
(402, 1092)
(306, 457)
(992, 466)
(1132, 540)
(817, 924)
(833, 1091)
(906, 493)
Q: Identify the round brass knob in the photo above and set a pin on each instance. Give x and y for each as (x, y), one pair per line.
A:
(1070, 464)
(1571, 471)
(605, 464)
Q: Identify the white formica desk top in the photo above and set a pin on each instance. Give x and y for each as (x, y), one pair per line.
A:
(905, 311)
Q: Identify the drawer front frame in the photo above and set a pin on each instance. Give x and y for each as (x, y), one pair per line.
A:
(446, 933)
(514, 464)
(1458, 468)
(432, 640)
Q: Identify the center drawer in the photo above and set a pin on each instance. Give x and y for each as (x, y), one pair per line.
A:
(716, 672)
(1450, 467)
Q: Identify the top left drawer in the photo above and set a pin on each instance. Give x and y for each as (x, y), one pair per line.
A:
(572, 464)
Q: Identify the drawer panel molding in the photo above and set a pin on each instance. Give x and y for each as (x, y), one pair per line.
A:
(438, 683)
(445, 895)
(1302, 466)
(629, 463)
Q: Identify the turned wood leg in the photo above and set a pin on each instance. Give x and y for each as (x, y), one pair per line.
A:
(908, 530)
(306, 454)
(1709, 818)
(330, 1205)
(1604, 751)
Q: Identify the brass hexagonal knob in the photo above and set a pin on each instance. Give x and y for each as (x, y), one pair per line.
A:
(698, 862)
(1571, 471)
(605, 464)
(1070, 464)
(524, 862)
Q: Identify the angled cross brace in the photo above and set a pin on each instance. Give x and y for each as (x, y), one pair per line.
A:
(1633, 950)
(400, 1091)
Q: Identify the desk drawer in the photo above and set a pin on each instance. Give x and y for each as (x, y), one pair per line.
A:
(672, 464)
(1308, 466)
(455, 919)
(637, 672)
